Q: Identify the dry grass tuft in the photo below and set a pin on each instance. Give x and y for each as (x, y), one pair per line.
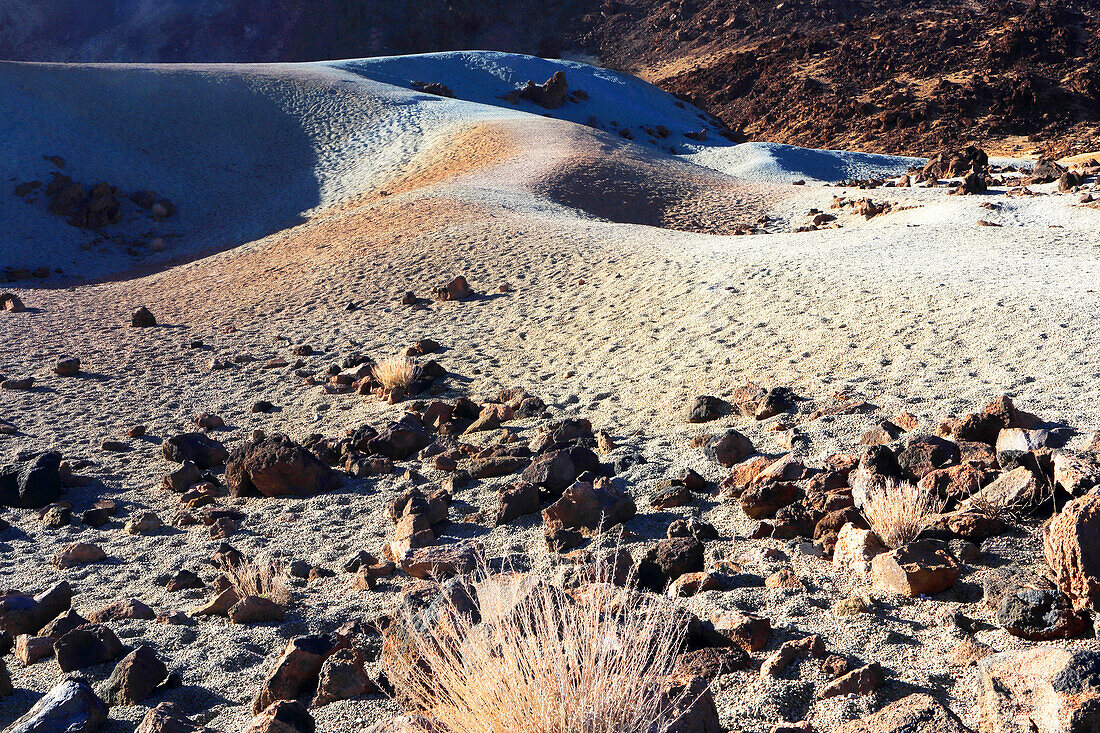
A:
(396, 371)
(542, 663)
(897, 511)
(264, 579)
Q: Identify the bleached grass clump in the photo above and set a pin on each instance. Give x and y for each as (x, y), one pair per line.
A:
(897, 511)
(266, 579)
(395, 371)
(542, 663)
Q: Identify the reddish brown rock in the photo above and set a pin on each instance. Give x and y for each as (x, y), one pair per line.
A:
(442, 561)
(955, 482)
(78, 553)
(763, 500)
(277, 466)
(857, 682)
(293, 672)
(343, 677)
(135, 677)
(29, 649)
(167, 717)
(924, 567)
(122, 609)
(731, 448)
(751, 633)
(256, 610)
(924, 453)
(587, 506)
(517, 500)
(456, 289)
(668, 560)
(283, 717)
(917, 713)
(1071, 546)
(1046, 688)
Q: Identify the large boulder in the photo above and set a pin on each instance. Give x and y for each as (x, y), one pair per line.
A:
(1071, 546)
(70, 707)
(277, 466)
(32, 482)
(1044, 689)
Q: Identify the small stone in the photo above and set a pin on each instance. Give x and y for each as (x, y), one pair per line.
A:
(67, 367)
(144, 523)
(142, 318)
(78, 553)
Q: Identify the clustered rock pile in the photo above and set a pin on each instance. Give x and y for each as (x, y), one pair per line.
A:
(989, 472)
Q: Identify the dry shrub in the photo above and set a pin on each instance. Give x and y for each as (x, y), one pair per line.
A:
(897, 511)
(266, 579)
(396, 371)
(542, 663)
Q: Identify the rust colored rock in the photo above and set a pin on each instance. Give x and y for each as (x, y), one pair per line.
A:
(923, 567)
(442, 561)
(1071, 546)
(731, 448)
(917, 713)
(78, 553)
(857, 682)
(587, 506)
(128, 608)
(763, 500)
(277, 466)
(1046, 688)
(343, 677)
(256, 610)
(283, 717)
(751, 633)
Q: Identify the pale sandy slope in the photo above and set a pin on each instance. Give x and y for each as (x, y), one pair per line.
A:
(919, 310)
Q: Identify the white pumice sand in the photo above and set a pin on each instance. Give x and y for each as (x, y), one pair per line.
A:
(303, 188)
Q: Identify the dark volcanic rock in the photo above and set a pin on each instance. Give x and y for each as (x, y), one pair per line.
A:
(277, 466)
(70, 707)
(135, 677)
(33, 482)
(204, 451)
(668, 560)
